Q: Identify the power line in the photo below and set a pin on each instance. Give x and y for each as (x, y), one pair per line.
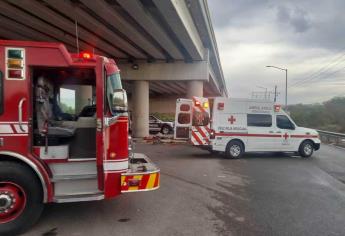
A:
(322, 70)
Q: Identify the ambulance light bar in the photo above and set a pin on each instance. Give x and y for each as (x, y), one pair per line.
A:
(220, 106)
(205, 105)
(277, 108)
(197, 103)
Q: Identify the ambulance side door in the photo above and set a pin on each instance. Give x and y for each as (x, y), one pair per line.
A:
(287, 129)
(261, 133)
(183, 119)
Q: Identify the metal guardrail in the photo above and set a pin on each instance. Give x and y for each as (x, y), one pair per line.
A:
(332, 137)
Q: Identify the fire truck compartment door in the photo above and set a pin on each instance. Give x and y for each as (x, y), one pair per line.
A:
(183, 119)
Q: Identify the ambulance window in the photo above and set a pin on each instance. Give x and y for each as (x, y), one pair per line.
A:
(283, 122)
(184, 107)
(200, 118)
(259, 120)
(183, 118)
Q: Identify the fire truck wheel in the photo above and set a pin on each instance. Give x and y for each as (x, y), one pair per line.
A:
(234, 149)
(20, 198)
(165, 130)
(306, 148)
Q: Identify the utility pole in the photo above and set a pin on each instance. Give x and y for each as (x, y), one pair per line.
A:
(286, 78)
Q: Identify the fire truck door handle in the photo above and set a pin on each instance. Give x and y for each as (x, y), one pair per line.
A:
(20, 114)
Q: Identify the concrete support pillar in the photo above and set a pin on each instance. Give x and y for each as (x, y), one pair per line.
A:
(83, 97)
(195, 88)
(140, 115)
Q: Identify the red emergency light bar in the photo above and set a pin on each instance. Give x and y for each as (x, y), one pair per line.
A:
(277, 108)
(86, 55)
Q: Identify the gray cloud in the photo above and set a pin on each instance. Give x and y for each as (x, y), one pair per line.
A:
(301, 35)
(297, 18)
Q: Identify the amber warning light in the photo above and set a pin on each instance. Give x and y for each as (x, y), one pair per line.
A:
(86, 55)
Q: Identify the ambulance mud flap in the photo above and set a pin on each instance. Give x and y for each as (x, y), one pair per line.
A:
(142, 175)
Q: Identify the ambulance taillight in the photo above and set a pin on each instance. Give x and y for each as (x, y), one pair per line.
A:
(212, 134)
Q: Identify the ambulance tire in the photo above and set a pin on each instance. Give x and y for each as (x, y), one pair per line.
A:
(306, 149)
(234, 150)
(21, 191)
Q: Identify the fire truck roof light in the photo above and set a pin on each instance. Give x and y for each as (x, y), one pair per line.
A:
(15, 74)
(15, 63)
(86, 55)
(15, 53)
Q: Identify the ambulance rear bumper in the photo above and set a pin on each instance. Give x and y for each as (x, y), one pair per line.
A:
(142, 175)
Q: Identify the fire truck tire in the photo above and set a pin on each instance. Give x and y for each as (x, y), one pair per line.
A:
(20, 198)
(234, 150)
(306, 148)
(165, 129)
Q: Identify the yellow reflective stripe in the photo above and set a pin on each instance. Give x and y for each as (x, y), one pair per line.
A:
(151, 181)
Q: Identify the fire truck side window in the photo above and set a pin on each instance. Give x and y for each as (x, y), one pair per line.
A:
(200, 118)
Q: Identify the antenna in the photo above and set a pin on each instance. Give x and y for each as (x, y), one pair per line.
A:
(77, 35)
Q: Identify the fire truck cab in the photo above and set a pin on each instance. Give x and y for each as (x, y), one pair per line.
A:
(51, 150)
(234, 126)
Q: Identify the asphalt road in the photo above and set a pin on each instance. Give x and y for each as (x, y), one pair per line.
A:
(204, 194)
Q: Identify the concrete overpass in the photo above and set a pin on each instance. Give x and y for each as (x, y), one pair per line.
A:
(165, 48)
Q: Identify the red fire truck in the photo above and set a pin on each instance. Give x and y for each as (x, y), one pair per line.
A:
(51, 148)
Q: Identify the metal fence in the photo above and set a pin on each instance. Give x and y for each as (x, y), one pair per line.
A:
(332, 137)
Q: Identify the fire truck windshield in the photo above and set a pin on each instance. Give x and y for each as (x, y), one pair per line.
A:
(117, 97)
(114, 80)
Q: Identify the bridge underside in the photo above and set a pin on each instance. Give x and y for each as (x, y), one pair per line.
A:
(165, 49)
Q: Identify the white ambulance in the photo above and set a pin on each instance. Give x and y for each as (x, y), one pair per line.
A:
(235, 126)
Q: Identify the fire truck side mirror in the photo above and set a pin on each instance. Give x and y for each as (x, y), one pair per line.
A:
(119, 101)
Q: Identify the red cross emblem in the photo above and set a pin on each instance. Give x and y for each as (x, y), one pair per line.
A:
(232, 119)
(286, 136)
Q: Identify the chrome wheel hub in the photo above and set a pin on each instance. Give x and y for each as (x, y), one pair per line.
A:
(6, 201)
(235, 150)
(308, 149)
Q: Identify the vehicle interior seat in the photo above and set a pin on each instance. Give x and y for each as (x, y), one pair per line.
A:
(44, 113)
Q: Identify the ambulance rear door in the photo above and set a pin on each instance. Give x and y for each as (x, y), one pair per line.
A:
(183, 119)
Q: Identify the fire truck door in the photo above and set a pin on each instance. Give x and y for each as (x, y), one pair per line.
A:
(15, 90)
(115, 133)
(183, 119)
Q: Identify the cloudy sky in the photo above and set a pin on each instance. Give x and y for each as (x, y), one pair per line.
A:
(305, 36)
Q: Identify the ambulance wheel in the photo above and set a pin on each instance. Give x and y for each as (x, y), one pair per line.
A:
(306, 149)
(234, 150)
(20, 198)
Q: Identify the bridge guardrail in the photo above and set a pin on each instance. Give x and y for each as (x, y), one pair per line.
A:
(332, 137)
